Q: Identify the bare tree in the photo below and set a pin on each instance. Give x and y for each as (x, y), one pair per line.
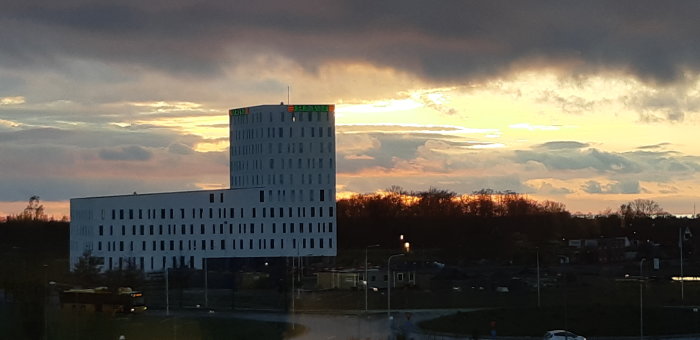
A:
(641, 208)
(33, 212)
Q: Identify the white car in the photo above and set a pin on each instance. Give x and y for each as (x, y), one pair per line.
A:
(562, 335)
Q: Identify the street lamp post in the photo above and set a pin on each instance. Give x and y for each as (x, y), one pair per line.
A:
(538, 278)
(366, 278)
(388, 284)
(641, 301)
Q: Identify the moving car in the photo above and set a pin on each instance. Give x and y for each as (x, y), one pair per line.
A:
(561, 335)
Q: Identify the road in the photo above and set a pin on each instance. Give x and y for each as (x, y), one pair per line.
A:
(371, 326)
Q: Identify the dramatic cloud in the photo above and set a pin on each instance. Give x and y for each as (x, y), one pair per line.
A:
(580, 102)
(128, 153)
(449, 41)
(625, 187)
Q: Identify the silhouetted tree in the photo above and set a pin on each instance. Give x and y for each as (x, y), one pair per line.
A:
(87, 270)
(33, 212)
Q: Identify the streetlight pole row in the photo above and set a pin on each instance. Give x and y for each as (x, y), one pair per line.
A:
(388, 286)
(366, 277)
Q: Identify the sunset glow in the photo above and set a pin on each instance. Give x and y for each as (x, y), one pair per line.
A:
(564, 114)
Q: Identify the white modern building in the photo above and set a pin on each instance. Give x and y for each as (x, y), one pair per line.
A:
(281, 201)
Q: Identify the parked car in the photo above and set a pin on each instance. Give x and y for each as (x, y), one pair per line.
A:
(562, 335)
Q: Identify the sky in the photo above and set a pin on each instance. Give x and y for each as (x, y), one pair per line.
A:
(588, 103)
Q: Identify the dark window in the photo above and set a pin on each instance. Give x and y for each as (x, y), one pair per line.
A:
(141, 229)
(172, 245)
(262, 196)
(211, 198)
(330, 211)
(101, 230)
(221, 197)
(121, 214)
(131, 214)
(223, 244)
(202, 229)
(162, 214)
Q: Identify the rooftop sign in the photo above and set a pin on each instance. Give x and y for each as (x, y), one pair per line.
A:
(311, 108)
(239, 112)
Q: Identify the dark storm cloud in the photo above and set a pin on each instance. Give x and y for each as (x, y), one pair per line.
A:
(654, 146)
(578, 160)
(558, 145)
(621, 187)
(127, 153)
(104, 137)
(443, 41)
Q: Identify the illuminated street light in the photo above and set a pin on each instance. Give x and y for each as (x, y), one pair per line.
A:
(366, 278)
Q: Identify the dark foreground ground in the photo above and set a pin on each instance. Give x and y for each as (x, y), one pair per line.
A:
(56, 324)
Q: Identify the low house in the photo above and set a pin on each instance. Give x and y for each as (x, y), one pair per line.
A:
(402, 276)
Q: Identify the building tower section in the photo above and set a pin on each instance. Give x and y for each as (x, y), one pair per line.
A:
(281, 201)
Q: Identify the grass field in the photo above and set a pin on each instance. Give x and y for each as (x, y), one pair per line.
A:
(63, 325)
(585, 320)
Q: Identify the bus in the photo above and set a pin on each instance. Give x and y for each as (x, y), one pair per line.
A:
(103, 300)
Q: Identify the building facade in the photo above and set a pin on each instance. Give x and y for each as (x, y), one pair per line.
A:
(281, 201)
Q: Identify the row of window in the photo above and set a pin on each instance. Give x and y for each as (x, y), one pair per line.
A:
(285, 164)
(138, 214)
(235, 244)
(282, 148)
(275, 179)
(257, 133)
(257, 117)
(243, 228)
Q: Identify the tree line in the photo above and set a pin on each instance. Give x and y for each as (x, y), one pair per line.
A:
(397, 202)
(488, 224)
